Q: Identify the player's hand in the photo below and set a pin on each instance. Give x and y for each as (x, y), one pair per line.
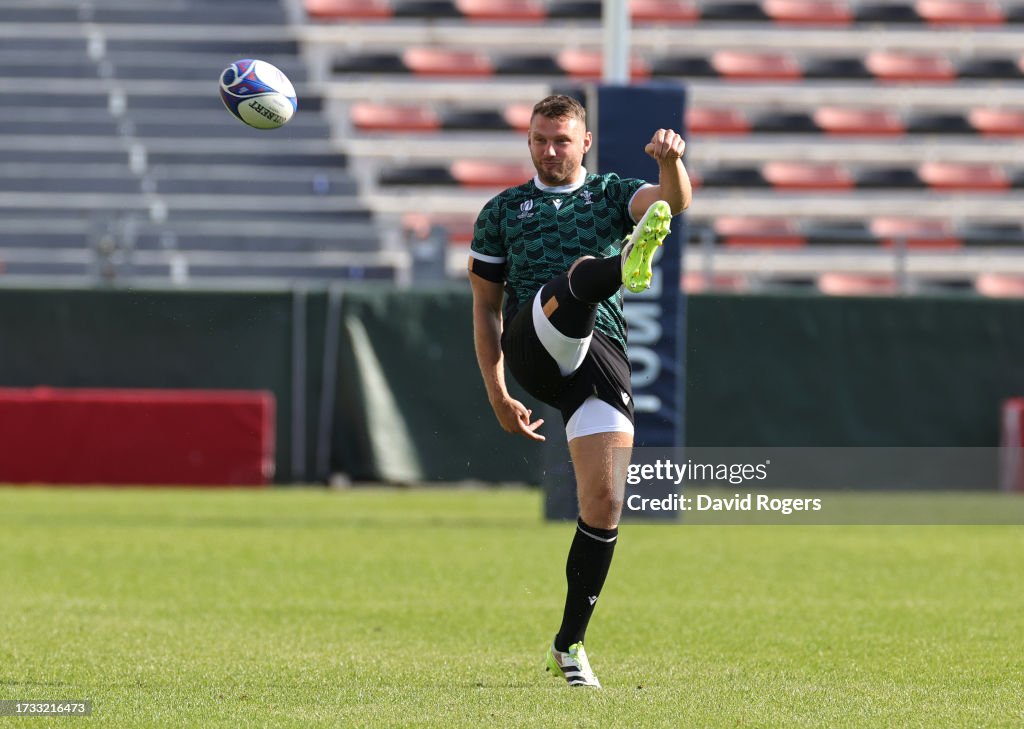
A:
(666, 146)
(515, 418)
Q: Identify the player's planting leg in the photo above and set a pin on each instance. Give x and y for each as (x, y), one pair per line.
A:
(572, 665)
(600, 478)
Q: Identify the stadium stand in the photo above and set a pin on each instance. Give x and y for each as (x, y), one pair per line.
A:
(812, 126)
(969, 13)
(997, 285)
(853, 284)
(847, 136)
(120, 164)
(808, 12)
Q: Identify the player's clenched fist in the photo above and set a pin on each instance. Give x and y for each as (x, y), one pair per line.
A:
(666, 144)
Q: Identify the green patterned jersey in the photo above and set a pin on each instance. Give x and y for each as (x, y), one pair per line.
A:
(527, 235)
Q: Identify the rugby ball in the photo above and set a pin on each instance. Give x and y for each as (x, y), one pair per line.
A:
(258, 93)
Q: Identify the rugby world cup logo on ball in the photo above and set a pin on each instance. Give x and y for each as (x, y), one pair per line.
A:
(258, 93)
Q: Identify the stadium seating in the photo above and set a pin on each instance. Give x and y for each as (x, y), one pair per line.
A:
(735, 65)
(996, 122)
(1004, 286)
(826, 125)
(498, 10)
(964, 177)
(898, 67)
(349, 9)
(758, 232)
(830, 115)
(781, 175)
(915, 67)
(840, 120)
(663, 11)
(914, 233)
(854, 284)
(487, 174)
(119, 162)
(587, 65)
(806, 176)
(809, 12)
(371, 117)
(960, 13)
(443, 62)
(850, 121)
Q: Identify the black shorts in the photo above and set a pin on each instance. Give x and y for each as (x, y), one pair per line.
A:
(604, 372)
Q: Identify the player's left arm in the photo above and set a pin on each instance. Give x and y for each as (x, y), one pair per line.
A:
(666, 148)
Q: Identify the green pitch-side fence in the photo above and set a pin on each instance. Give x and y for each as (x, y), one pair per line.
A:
(404, 399)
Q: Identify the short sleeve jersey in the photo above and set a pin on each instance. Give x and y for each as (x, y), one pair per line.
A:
(528, 235)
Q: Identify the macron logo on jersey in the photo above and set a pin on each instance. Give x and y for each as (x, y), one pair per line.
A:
(557, 202)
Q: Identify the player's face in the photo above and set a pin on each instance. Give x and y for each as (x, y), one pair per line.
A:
(557, 147)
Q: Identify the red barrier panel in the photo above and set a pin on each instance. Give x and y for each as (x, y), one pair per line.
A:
(145, 437)
(1011, 445)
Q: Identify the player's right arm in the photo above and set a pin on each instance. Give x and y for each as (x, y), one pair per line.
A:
(513, 416)
(487, 273)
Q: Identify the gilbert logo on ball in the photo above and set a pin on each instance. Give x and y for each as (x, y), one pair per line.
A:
(258, 93)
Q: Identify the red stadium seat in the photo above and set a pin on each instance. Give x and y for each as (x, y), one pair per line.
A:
(900, 66)
(445, 62)
(960, 12)
(716, 121)
(856, 284)
(759, 232)
(915, 233)
(806, 176)
(1000, 285)
(502, 10)
(418, 224)
(963, 176)
(874, 122)
(349, 9)
(458, 227)
(664, 11)
(483, 173)
(808, 12)
(369, 117)
(695, 282)
(518, 116)
(589, 64)
(751, 66)
(997, 122)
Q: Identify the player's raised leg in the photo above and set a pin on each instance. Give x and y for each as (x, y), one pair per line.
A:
(638, 253)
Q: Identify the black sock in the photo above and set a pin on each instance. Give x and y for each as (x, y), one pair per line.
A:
(596, 279)
(590, 556)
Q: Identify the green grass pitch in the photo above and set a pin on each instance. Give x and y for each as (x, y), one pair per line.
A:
(392, 608)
